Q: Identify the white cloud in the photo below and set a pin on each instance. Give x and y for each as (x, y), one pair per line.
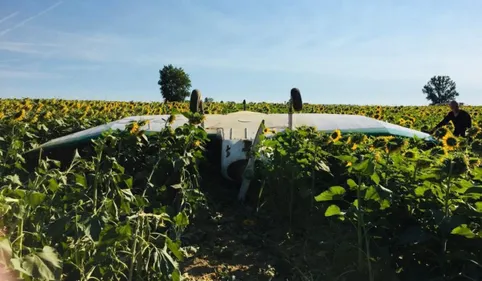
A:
(8, 17)
(22, 23)
(27, 48)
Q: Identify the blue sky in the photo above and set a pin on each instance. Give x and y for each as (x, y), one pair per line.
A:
(338, 51)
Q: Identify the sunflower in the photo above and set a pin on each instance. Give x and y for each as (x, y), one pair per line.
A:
(423, 163)
(472, 132)
(476, 146)
(459, 164)
(394, 145)
(336, 135)
(478, 136)
(19, 116)
(438, 151)
(474, 162)
(378, 143)
(266, 130)
(378, 157)
(34, 119)
(135, 128)
(409, 155)
(441, 132)
(450, 142)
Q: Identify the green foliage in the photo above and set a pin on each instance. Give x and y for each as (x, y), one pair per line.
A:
(175, 83)
(119, 209)
(116, 212)
(440, 90)
(415, 212)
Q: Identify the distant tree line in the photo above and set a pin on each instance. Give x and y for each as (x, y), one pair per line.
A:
(175, 86)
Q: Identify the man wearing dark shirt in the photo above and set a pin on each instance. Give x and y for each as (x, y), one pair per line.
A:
(460, 118)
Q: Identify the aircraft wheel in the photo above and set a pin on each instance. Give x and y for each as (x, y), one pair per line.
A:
(296, 99)
(195, 102)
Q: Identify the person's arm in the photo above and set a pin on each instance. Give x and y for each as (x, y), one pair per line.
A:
(445, 121)
(469, 121)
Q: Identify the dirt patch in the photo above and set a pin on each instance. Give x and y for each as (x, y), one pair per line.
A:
(230, 241)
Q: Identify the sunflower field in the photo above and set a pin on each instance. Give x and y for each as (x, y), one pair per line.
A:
(322, 206)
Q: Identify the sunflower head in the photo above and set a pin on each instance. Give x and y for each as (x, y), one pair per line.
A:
(476, 146)
(378, 157)
(410, 155)
(134, 128)
(423, 162)
(441, 132)
(478, 136)
(19, 116)
(472, 132)
(438, 151)
(450, 142)
(335, 136)
(379, 143)
(357, 139)
(459, 164)
(474, 162)
(394, 145)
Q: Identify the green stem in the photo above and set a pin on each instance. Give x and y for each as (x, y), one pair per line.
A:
(20, 235)
(367, 247)
(447, 201)
(20, 243)
(291, 199)
(447, 192)
(360, 225)
(96, 178)
(134, 247)
(415, 171)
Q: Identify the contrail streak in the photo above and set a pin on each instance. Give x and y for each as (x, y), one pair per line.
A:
(22, 23)
(8, 17)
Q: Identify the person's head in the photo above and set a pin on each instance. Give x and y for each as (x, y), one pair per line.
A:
(454, 106)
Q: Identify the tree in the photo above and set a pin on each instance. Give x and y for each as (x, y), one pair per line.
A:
(175, 83)
(206, 99)
(440, 89)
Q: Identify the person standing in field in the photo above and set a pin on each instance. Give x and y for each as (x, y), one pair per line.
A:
(460, 118)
